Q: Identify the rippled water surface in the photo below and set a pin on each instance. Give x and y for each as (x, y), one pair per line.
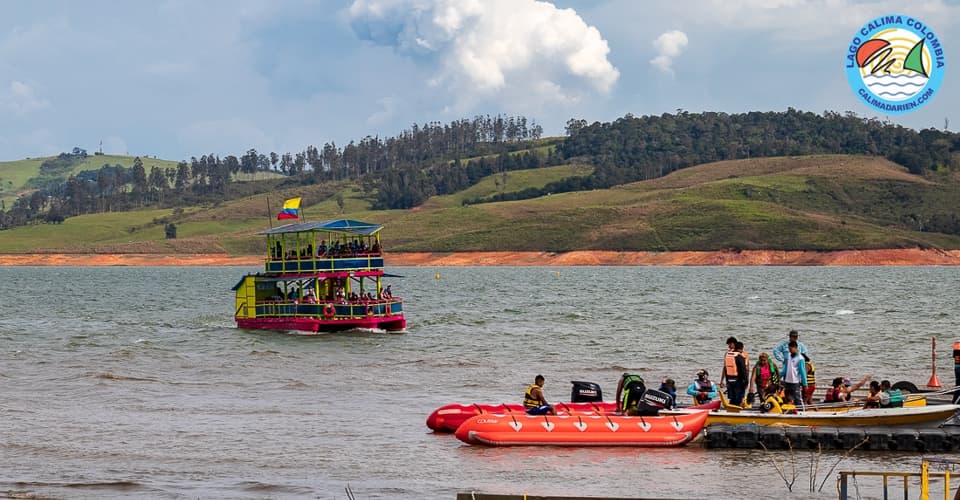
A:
(134, 383)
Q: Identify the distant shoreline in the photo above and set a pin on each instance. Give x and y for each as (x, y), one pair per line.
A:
(890, 257)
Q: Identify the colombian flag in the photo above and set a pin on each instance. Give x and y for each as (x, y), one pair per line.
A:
(291, 209)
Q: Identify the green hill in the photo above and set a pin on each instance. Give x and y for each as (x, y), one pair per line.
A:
(15, 176)
(822, 202)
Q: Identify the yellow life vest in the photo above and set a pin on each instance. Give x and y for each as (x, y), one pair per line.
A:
(528, 400)
(773, 404)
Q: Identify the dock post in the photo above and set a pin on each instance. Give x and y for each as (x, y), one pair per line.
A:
(946, 484)
(843, 486)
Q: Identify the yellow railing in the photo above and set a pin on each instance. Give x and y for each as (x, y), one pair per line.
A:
(843, 481)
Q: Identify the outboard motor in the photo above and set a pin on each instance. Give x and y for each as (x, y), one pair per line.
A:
(653, 401)
(585, 392)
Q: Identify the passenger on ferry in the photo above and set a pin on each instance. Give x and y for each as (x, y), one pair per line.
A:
(322, 248)
(782, 351)
(376, 248)
(387, 292)
(341, 294)
(734, 376)
(534, 401)
(811, 381)
(702, 389)
(310, 297)
(890, 398)
(764, 375)
(354, 297)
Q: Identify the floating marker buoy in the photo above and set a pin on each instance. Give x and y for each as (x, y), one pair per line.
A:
(437, 276)
(934, 382)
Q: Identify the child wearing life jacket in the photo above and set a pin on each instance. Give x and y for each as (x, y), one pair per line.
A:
(811, 381)
(889, 397)
(776, 401)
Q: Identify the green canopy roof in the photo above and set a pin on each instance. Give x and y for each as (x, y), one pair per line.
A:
(345, 226)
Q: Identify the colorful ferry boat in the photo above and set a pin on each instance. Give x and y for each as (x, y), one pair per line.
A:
(320, 277)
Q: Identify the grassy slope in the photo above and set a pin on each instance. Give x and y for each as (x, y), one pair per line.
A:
(15, 174)
(815, 202)
(20, 171)
(515, 181)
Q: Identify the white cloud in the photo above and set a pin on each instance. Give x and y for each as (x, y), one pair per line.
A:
(669, 45)
(493, 49)
(21, 99)
(387, 111)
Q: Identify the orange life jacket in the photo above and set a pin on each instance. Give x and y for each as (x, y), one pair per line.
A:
(730, 363)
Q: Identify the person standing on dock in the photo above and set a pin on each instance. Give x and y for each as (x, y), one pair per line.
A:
(794, 375)
(734, 376)
(764, 375)
(956, 371)
(782, 351)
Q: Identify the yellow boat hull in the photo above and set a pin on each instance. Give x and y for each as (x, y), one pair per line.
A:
(916, 416)
(911, 401)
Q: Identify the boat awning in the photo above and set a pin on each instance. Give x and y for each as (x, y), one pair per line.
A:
(347, 226)
(314, 277)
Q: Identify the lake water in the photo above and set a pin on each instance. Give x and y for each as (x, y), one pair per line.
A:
(126, 382)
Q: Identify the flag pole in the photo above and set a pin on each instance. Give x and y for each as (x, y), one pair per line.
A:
(269, 212)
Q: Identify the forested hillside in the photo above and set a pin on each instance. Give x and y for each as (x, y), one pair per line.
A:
(447, 161)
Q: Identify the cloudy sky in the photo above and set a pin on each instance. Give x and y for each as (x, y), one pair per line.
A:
(181, 78)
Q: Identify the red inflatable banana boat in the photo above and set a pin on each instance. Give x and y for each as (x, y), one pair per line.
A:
(448, 417)
(575, 430)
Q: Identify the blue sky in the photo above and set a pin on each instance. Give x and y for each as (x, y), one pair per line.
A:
(181, 78)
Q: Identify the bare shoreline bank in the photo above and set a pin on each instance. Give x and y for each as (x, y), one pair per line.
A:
(890, 257)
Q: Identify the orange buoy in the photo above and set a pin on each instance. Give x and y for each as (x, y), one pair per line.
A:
(934, 382)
